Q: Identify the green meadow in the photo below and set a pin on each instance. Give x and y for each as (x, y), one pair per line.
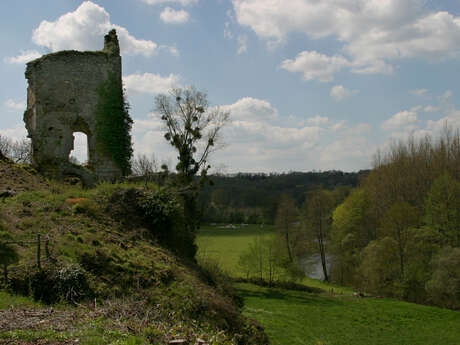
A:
(225, 245)
(334, 317)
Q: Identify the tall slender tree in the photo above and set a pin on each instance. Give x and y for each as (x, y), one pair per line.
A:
(286, 218)
(317, 222)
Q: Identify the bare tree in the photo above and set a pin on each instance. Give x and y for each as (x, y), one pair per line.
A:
(192, 128)
(19, 151)
(317, 222)
(286, 218)
(144, 166)
(5, 146)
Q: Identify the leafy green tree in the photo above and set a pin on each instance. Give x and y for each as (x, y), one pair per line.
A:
(444, 286)
(424, 243)
(442, 209)
(396, 224)
(379, 267)
(349, 235)
(266, 260)
(193, 129)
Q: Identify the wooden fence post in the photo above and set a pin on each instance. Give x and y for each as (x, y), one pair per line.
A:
(47, 250)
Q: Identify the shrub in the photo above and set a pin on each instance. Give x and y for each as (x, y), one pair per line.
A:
(444, 286)
(68, 283)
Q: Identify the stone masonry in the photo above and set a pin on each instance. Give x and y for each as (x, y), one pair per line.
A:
(62, 99)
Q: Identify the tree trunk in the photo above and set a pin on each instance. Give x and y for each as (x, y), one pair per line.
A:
(323, 261)
(322, 251)
(288, 246)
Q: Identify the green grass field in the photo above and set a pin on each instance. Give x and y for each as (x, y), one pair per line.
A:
(301, 318)
(226, 245)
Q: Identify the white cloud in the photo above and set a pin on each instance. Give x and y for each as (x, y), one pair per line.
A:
(251, 109)
(373, 33)
(14, 105)
(242, 44)
(350, 150)
(418, 92)
(172, 16)
(259, 139)
(445, 96)
(150, 83)
(314, 65)
(227, 31)
(84, 29)
(25, 56)
(15, 133)
(400, 120)
(452, 119)
(317, 120)
(181, 2)
(339, 92)
(431, 109)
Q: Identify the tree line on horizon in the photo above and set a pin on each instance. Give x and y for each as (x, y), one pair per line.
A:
(253, 198)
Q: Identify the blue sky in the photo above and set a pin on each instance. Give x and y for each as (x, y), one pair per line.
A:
(311, 85)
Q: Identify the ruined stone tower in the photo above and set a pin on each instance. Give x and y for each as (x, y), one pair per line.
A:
(72, 91)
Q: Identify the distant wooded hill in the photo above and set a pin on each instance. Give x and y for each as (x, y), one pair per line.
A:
(253, 197)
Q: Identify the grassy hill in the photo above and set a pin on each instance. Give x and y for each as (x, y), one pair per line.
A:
(331, 317)
(104, 278)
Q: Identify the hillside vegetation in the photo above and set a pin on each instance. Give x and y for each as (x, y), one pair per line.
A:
(110, 263)
(327, 314)
(398, 234)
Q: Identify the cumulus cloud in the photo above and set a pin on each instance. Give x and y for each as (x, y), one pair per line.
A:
(15, 105)
(317, 120)
(251, 109)
(373, 33)
(259, 139)
(242, 44)
(418, 92)
(14, 133)
(150, 83)
(228, 34)
(351, 149)
(431, 109)
(172, 16)
(23, 57)
(314, 65)
(400, 120)
(181, 2)
(339, 92)
(445, 96)
(84, 28)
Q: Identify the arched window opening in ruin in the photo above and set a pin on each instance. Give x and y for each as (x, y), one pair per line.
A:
(79, 154)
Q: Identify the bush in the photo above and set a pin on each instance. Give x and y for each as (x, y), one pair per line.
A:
(163, 216)
(54, 284)
(444, 286)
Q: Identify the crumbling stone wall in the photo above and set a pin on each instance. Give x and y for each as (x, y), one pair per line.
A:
(63, 98)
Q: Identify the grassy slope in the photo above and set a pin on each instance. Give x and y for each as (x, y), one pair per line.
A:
(301, 318)
(144, 293)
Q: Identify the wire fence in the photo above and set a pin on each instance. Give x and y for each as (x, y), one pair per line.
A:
(40, 239)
